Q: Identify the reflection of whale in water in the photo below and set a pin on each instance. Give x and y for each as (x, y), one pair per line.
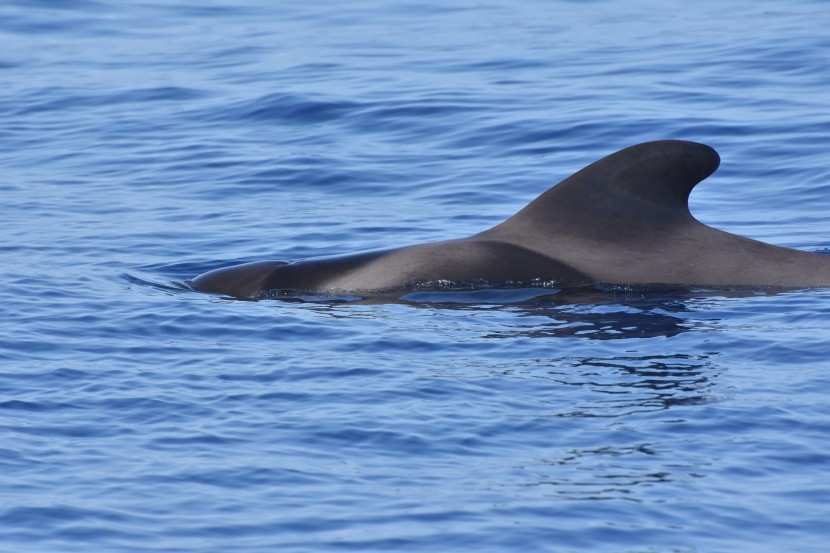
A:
(580, 312)
(642, 373)
(574, 312)
(623, 318)
(622, 220)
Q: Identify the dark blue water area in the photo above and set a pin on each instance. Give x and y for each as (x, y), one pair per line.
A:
(143, 143)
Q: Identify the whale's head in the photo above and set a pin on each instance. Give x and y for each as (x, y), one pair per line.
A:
(240, 281)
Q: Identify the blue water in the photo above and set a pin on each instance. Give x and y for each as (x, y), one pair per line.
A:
(143, 143)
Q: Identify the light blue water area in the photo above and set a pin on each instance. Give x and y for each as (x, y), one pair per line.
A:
(143, 143)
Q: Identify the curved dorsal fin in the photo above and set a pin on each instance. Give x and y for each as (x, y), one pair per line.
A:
(663, 172)
(648, 184)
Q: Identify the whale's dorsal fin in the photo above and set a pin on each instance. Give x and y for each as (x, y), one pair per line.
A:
(638, 189)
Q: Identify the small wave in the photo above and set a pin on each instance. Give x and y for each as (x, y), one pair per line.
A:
(290, 108)
(165, 286)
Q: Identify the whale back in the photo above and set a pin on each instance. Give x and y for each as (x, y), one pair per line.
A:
(622, 220)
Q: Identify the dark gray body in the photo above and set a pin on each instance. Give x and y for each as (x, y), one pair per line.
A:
(622, 220)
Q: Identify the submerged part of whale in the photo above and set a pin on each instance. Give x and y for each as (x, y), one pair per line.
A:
(622, 220)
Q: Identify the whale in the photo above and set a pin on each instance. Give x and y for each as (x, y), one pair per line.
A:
(623, 220)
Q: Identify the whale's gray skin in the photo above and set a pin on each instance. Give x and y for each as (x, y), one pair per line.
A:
(622, 220)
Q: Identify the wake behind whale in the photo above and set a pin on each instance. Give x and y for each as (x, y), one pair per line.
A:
(622, 220)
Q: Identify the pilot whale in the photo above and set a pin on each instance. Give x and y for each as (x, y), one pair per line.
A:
(622, 220)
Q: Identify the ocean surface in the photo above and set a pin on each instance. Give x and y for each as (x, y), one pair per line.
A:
(145, 142)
